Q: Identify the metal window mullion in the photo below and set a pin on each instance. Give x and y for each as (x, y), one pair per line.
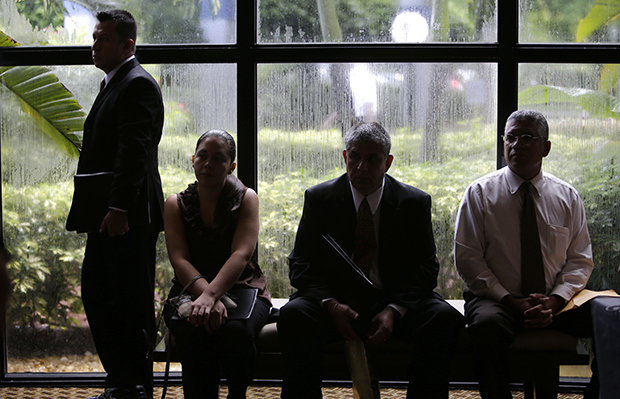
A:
(507, 68)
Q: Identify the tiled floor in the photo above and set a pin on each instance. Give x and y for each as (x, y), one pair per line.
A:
(253, 393)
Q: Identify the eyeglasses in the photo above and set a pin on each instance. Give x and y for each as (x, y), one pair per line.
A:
(526, 139)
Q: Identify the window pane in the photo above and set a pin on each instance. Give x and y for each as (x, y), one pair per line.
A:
(159, 21)
(584, 132)
(405, 21)
(441, 118)
(46, 327)
(575, 21)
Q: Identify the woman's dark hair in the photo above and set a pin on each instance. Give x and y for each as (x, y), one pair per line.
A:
(232, 148)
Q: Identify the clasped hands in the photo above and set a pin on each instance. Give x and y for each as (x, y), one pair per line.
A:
(381, 325)
(537, 309)
(207, 312)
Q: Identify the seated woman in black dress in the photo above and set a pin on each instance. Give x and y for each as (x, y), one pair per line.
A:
(212, 230)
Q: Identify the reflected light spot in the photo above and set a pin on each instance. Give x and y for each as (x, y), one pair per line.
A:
(410, 27)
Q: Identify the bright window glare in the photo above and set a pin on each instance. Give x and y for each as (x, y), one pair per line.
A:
(410, 27)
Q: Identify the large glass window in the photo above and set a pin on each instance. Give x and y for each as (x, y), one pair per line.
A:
(441, 118)
(395, 21)
(575, 21)
(46, 327)
(579, 103)
(287, 79)
(159, 21)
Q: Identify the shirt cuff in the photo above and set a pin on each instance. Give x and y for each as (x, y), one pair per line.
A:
(399, 308)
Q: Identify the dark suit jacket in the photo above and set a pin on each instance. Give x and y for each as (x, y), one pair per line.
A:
(121, 135)
(408, 265)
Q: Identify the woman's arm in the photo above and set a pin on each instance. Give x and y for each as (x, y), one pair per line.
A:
(243, 246)
(178, 251)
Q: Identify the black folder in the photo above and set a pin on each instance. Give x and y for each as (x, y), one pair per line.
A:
(90, 201)
(245, 298)
(346, 258)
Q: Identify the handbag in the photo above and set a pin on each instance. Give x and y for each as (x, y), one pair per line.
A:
(239, 302)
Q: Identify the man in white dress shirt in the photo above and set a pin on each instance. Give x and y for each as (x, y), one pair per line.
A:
(488, 253)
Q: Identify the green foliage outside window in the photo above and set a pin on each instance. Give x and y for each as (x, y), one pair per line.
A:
(43, 13)
(47, 259)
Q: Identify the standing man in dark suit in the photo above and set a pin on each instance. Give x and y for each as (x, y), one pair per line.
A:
(333, 302)
(118, 201)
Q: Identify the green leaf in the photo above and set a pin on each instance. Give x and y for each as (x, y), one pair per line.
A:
(596, 103)
(49, 102)
(601, 13)
(609, 77)
(6, 41)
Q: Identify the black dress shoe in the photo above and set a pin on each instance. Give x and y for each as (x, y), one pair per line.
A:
(122, 393)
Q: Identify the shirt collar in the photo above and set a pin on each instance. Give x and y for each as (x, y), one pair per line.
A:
(514, 181)
(111, 74)
(374, 198)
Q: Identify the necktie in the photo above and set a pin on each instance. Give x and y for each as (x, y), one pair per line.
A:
(102, 86)
(365, 242)
(532, 267)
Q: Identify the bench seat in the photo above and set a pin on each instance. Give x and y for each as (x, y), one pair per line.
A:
(536, 356)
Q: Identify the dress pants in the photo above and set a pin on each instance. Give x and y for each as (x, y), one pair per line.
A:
(117, 291)
(492, 327)
(432, 325)
(233, 347)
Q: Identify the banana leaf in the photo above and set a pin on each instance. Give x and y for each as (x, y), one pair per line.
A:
(601, 13)
(596, 103)
(42, 96)
(609, 77)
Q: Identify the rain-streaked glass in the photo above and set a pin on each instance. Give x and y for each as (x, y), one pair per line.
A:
(46, 327)
(575, 21)
(441, 118)
(159, 21)
(391, 21)
(582, 107)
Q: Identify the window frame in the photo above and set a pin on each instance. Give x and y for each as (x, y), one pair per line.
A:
(507, 53)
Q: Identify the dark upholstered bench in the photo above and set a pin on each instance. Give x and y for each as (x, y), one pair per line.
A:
(536, 356)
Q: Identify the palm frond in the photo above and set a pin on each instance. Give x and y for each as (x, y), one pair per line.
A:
(47, 100)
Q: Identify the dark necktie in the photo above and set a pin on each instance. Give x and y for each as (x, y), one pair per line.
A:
(102, 86)
(532, 267)
(365, 242)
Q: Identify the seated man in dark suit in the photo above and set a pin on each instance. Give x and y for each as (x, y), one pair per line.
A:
(385, 226)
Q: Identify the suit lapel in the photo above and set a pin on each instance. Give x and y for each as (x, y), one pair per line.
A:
(118, 77)
(344, 210)
(389, 214)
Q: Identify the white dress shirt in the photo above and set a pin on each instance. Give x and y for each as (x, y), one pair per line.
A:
(111, 74)
(487, 248)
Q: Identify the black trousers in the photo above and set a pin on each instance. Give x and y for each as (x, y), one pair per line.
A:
(231, 348)
(492, 327)
(432, 326)
(117, 291)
